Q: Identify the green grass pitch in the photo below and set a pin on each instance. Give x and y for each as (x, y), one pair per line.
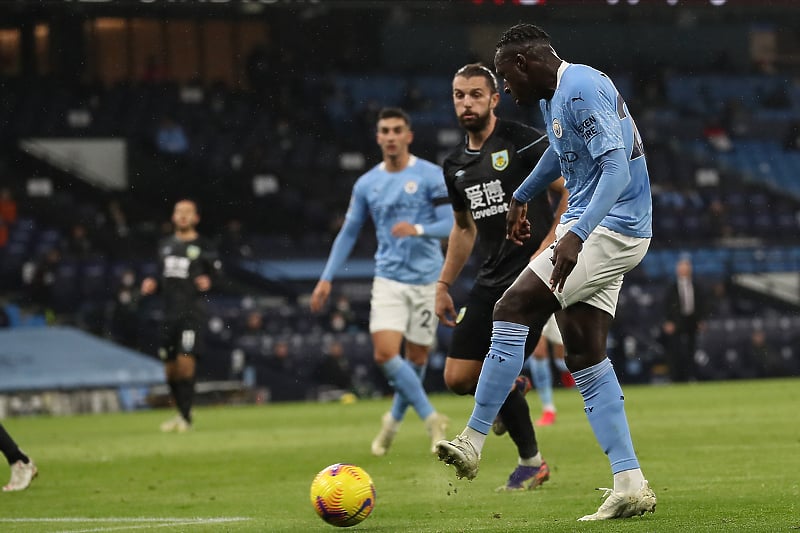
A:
(720, 456)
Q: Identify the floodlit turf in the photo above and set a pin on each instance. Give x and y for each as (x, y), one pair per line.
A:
(720, 457)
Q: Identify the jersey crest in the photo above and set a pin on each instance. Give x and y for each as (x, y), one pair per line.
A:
(500, 160)
(192, 252)
(411, 187)
(557, 131)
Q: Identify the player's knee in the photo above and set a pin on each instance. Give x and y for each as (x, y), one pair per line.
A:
(381, 357)
(460, 383)
(508, 307)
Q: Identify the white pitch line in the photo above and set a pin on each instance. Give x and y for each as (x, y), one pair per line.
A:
(131, 523)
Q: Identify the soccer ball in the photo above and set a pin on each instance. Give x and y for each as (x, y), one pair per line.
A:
(343, 494)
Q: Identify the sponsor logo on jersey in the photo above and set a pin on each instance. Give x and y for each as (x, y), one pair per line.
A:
(192, 252)
(557, 131)
(588, 128)
(411, 187)
(486, 199)
(496, 209)
(500, 160)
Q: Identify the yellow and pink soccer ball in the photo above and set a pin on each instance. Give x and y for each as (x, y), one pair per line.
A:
(343, 494)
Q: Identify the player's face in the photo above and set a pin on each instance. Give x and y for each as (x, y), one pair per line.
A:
(473, 101)
(394, 136)
(184, 216)
(525, 77)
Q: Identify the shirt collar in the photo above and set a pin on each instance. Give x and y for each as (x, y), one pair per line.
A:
(561, 68)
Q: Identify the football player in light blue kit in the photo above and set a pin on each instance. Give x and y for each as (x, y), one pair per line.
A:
(407, 200)
(603, 234)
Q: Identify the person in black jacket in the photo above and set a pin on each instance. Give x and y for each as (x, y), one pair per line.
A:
(684, 313)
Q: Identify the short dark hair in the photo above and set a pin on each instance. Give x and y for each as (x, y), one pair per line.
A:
(474, 70)
(394, 112)
(522, 34)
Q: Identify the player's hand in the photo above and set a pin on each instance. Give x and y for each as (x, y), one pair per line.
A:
(403, 229)
(565, 256)
(149, 286)
(518, 227)
(202, 282)
(444, 307)
(320, 295)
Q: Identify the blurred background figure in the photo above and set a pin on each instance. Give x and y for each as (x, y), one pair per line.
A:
(684, 312)
(333, 374)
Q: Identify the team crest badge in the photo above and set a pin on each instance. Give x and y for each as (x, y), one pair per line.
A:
(500, 160)
(411, 187)
(557, 128)
(192, 252)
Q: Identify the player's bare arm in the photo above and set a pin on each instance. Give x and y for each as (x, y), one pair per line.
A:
(459, 248)
(320, 295)
(559, 191)
(518, 227)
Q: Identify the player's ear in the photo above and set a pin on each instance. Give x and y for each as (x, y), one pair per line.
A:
(494, 101)
(521, 62)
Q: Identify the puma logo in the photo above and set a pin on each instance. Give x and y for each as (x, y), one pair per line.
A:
(576, 98)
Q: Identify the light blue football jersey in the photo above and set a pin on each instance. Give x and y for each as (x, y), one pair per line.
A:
(410, 195)
(585, 118)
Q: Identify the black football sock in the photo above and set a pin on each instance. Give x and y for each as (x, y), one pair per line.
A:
(10, 448)
(185, 389)
(516, 416)
(173, 390)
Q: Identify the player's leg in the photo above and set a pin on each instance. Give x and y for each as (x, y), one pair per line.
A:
(23, 470)
(420, 335)
(468, 348)
(527, 302)
(185, 370)
(539, 365)
(167, 352)
(559, 360)
(585, 332)
(585, 322)
(390, 316)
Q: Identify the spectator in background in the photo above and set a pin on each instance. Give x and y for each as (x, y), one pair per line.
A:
(684, 312)
(170, 137)
(124, 319)
(232, 242)
(282, 374)
(78, 245)
(333, 370)
(23, 470)
(8, 206)
(8, 214)
(341, 317)
(154, 70)
(761, 354)
(43, 280)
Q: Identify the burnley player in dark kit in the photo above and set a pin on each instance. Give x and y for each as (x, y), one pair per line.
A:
(188, 264)
(481, 174)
